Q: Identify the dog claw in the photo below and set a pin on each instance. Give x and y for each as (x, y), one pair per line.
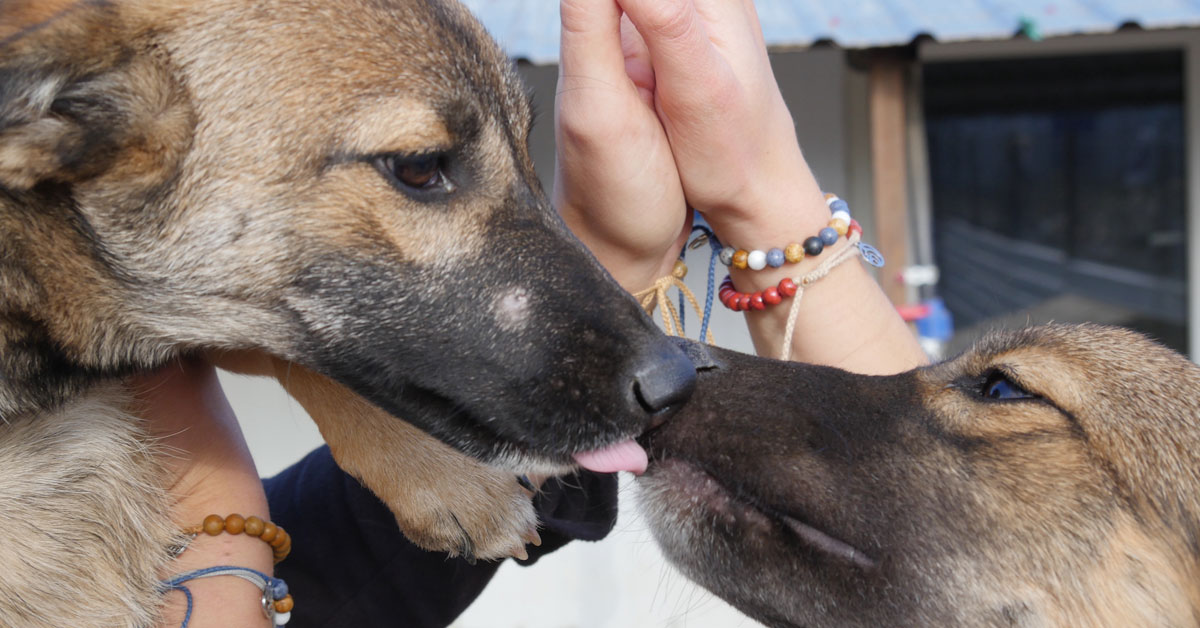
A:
(532, 537)
(520, 554)
(523, 480)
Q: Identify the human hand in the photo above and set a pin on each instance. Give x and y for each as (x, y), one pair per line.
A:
(740, 164)
(209, 471)
(732, 136)
(615, 179)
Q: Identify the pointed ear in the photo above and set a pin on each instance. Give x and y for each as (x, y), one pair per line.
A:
(83, 90)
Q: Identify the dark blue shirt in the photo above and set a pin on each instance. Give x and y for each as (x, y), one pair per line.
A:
(350, 565)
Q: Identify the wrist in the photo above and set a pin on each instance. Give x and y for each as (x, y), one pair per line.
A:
(220, 601)
(771, 209)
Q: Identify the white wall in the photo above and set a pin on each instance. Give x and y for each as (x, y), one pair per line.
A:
(621, 582)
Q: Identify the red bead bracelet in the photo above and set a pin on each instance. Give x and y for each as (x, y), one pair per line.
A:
(742, 302)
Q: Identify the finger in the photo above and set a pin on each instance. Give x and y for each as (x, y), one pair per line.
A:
(591, 41)
(637, 61)
(676, 38)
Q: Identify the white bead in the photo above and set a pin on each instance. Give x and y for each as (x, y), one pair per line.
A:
(281, 619)
(841, 215)
(756, 260)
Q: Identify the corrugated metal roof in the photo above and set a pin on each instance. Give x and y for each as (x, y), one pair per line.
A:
(528, 29)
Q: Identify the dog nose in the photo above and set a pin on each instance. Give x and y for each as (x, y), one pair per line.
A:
(666, 378)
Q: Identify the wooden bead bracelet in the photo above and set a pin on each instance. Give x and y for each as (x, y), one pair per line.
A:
(273, 535)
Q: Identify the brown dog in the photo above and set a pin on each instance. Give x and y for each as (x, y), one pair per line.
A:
(1047, 477)
(332, 191)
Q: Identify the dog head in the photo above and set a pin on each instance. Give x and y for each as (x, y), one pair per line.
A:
(343, 185)
(1048, 477)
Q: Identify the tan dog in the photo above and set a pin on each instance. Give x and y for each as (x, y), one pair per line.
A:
(1047, 477)
(331, 192)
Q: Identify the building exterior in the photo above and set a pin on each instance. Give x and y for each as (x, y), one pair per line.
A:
(1035, 151)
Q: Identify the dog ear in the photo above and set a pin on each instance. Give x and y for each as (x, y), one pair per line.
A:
(84, 91)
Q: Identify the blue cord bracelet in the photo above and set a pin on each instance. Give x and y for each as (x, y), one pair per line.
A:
(272, 589)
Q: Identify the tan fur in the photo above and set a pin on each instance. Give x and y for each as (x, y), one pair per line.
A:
(106, 512)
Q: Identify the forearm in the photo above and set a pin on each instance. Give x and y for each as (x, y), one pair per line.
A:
(212, 473)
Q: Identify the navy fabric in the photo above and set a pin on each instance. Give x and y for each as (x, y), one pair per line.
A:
(351, 566)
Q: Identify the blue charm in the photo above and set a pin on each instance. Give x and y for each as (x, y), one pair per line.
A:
(775, 258)
(871, 254)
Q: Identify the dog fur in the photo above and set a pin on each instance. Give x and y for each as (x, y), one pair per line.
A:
(335, 194)
(1047, 477)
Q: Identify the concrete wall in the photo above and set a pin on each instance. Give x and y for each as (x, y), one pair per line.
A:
(622, 581)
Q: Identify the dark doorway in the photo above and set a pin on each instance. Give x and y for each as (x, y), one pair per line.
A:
(1059, 191)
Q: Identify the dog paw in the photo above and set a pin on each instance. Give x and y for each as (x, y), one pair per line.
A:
(442, 499)
(475, 513)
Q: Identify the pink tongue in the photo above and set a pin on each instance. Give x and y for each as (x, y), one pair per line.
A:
(623, 456)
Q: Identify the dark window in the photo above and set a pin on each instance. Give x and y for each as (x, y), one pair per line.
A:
(1058, 190)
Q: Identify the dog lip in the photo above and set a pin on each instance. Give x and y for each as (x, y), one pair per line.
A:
(432, 399)
(828, 544)
(809, 535)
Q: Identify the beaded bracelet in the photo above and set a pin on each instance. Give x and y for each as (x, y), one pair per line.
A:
(787, 287)
(271, 534)
(280, 604)
(840, 224)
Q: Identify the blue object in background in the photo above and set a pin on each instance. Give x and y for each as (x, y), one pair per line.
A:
(938, 325)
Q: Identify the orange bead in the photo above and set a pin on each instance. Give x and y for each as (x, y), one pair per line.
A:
(793, 253)
(840, 226)
(739, 258)
(254, 526)
(285, 605)
(280, 539)
(680, 270)
(213, 525)
(269, 532)
(234, 524)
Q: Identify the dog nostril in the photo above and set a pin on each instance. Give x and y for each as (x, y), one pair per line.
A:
(666, 381)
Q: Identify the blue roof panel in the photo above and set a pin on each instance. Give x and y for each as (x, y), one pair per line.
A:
(529, 28)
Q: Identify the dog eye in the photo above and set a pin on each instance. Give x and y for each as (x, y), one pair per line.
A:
(417, 172)
(998, 386)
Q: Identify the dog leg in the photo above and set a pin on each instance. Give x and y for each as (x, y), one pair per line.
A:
(443, 500)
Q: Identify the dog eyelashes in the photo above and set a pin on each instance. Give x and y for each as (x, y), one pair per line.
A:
(424, 172)
(997, 386)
